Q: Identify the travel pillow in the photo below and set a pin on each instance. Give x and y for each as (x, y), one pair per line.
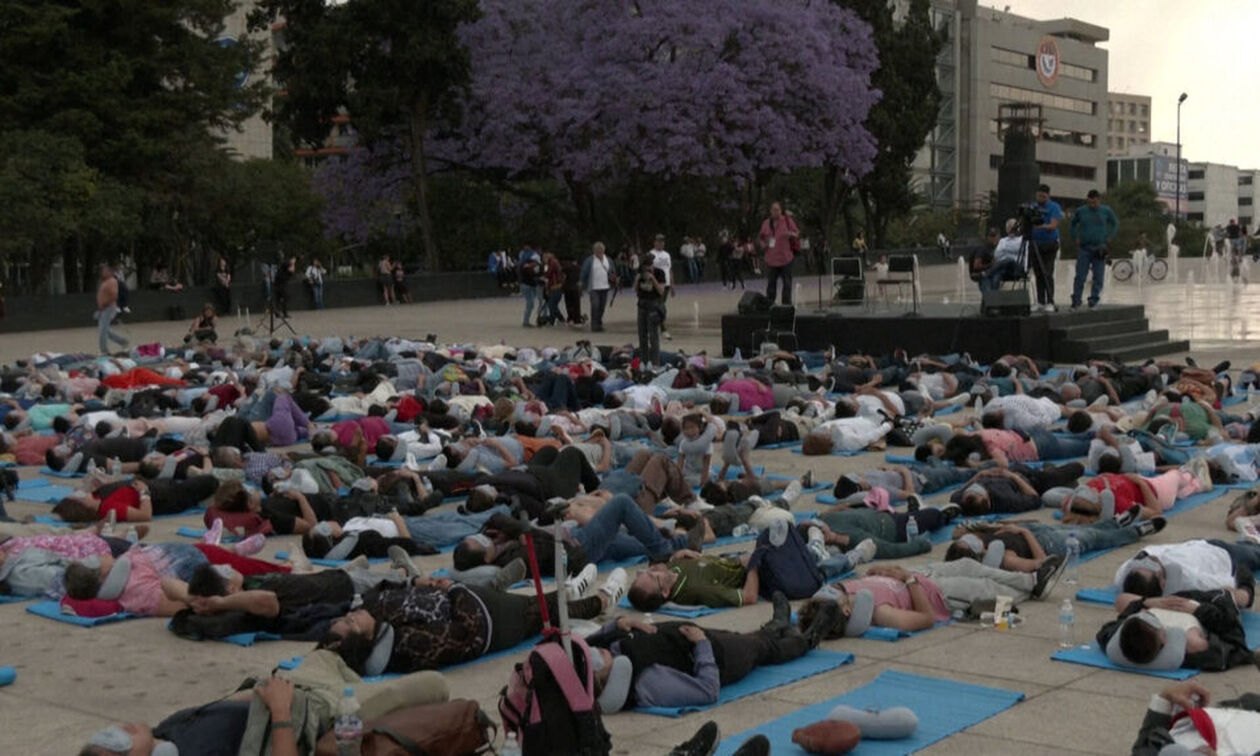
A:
(893, 723)
(829, 737)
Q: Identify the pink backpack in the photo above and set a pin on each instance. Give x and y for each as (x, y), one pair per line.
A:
(549, 702)
(152, 349)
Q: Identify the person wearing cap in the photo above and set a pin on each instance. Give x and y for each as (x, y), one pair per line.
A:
(283, 714)
(1025, 546)
(434, 622)
(1003, 490)
(1194, 565)
(894, 597)
(1188, 629)
(1185, 719)
(781, 561)
(637, 664)
(1008, 263)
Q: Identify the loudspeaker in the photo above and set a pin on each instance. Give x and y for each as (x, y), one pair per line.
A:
(753, 303)
(1005, 302)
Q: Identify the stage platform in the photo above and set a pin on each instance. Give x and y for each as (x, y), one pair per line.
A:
(1115, 332)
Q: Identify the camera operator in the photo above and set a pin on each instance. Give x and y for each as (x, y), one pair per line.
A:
(1006, 258)
(284, 272)
(1092, 227)
(982, 257)
(1046, 249)
(650, 288)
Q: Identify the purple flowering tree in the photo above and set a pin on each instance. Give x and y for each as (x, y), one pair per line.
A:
(593, 92)
(366, 194)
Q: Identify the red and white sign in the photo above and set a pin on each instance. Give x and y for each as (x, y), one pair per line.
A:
(1047, 59)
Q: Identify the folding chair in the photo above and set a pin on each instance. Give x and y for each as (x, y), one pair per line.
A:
(781, 329)
(848, 280)
(904, 269)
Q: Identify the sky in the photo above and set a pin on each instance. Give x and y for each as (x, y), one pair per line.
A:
(1162, 48)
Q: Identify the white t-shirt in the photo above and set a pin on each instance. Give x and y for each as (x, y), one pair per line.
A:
(853, 433)
(1023, 412)
(599, 273)
(382, 525)
(640, 397)
(870, 406)
(688, 251)
(662, 262)
(1007, 249)
(1194, 565)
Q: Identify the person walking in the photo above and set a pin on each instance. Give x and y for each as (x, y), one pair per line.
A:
(107, 310)
(779, 238)
(597, 278)
(1092, 227)
(1045, 248)
(315, 280)
(223, 286)
(553, 286)
(529, 268)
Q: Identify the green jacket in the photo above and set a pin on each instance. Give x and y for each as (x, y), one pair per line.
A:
(1094, 227)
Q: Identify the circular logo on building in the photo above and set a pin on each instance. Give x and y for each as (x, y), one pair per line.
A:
(1048, 60)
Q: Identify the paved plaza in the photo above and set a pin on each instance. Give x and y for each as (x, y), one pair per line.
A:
(72, 681)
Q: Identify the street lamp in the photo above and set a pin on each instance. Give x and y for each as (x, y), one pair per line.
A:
(1181, 99)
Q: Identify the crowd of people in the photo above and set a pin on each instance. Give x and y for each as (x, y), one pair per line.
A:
(361, 448)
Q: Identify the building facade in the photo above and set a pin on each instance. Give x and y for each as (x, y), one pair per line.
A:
(1154, 163)
(1213, 196)
(993, 57)
(254, 139)
(1128, 122)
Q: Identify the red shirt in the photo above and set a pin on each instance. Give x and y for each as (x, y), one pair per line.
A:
(250, 522)
(137, 377)
(408, 407)
(29, 450)
(119, 501)
(1127, 492)
(373, 428)
(226, 393)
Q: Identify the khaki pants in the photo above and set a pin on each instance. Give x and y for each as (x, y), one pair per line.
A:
(661, 477)
(324, 675)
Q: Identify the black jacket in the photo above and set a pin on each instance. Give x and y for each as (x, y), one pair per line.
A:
(1222, 624)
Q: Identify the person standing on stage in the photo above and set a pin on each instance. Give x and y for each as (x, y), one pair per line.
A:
(1046, 239)
(1092, 227)
(780, 238)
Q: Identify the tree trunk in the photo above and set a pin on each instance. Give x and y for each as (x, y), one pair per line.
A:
(874, 233)
(831, 203)
(420, 182)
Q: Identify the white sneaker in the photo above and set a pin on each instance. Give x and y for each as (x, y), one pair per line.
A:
(759, 502)
(792, 492)
(1035, 308)
(665, 335)
(577, 586)
(1149, 400)
(862, 553)
(1050, 308)
(615, 586)
(438, 462)
(410, 463)
(816, 544)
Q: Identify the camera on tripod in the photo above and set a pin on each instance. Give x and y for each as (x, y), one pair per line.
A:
(1030, 217)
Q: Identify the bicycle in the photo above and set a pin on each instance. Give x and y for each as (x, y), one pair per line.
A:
(1123, 269)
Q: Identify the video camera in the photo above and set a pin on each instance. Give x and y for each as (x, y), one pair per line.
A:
(1030, 217)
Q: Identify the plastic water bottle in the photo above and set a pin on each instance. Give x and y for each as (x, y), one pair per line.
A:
(1067, 618)
(348, 727)
(912, 529)
(1073, 557)
(510, 746)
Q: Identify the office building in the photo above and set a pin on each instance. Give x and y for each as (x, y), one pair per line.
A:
(254, 139)
(994, 57)
(1128, 122)
(1156, 163)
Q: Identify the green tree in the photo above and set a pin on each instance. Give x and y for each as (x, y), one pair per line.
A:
(899, 122)
(396, 66)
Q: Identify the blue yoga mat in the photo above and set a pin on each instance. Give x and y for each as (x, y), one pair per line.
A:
(1091, 655)
(29, 483)
(819, 485)
(52, 610)
(779, 445)
(1181, 505)
(677, 610)
(47, 494)
(60, 473)
(736, 470)
(1105, 595)
(835, 452)
(6, 598)
(762, 679)
(892, 635)
(46, 519)
(197, 533)
(942, 706)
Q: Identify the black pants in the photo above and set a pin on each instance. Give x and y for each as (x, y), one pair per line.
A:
(174, 496)
(561, 471)
(1043, 256)
(737, 654)
(772, 428)
(556, 390)
(779, 273)
(222, 299)
(515, 617)
(1052, 476)
(927, 518)
(238, 433)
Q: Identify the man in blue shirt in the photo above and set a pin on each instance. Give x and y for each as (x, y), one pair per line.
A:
(1046, 237)
(1092, 227)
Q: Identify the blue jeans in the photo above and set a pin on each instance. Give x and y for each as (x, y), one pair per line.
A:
(1241, 554)
(602, 536)
(1104, 534)
(1050, 446)
(438, 529)
(104, 331)
(1168, 455)
(693, 270)
(317, 294)
(530, 293)
(1089, 260)
(933, 478)
(999, 271)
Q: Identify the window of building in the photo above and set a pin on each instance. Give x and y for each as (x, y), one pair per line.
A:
(1195, 174)
(1132, 127)
(1066, 170)
(1142, 170)
(1059, 102)
(1145, 110)
(1025, 60)
(1244, 202)
(1195, 196)
(1244, 180)
(1244, 220)
(1132, 108)
(1113, 172)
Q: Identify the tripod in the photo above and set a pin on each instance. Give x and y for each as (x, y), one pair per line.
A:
(270, 316)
